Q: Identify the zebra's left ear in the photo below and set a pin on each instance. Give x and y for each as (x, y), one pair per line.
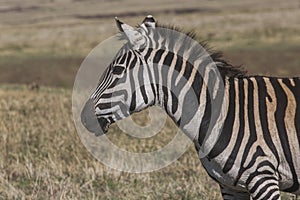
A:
(135, 38)
(149, 21)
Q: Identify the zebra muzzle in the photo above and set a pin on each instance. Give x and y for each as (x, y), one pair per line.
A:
(94, 124)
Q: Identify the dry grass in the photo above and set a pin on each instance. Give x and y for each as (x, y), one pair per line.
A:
(43, 157)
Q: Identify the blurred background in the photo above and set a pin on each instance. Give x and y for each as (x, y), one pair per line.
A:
(42, 44)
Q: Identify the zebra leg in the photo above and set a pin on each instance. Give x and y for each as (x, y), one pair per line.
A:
(264, 188)
(230, 194)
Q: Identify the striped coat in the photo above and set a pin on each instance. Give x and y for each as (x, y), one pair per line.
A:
(251, 145)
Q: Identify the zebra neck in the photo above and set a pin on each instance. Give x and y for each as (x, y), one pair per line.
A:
(197, 103)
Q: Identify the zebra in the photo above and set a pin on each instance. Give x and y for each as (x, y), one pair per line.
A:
(257, 153)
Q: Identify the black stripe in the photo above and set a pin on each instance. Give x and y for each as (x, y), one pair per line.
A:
(133, 62)
(168, 59)
(133, 102)
(276, 197)
(156, 60)
(266, 163)
(197, 85)
(295, 90)
(252, 128)
(122, 59)
(188, 71)
(259, 182)
(174, 102)
(177, 68)
(157, 56)
(141, 80)
(164, 70)
(153, 91)
(226, 133)
(230, 161)
(132, 85)
(263, 190)
(166, 97)
(146, 57)
(144, 95)
(129, 54)
(282, 133)
(270, 193)
(176, 88)
(263, 96)
(205, 122)
(103, 79)
(104, 106)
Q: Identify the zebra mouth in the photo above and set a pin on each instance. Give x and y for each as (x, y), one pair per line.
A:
(104, 124)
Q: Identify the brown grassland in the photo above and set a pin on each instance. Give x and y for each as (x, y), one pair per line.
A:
(44, 42)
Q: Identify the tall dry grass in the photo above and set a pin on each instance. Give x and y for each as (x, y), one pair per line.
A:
(42, 157)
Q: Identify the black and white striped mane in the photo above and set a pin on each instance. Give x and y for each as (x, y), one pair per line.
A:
(225, 68)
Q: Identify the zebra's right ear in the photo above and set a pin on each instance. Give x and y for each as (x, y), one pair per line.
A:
(123, 27)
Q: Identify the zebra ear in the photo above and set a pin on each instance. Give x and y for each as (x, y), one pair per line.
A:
(149, 21)
(136, 39)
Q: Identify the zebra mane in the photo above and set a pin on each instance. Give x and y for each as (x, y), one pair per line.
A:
(226, 69)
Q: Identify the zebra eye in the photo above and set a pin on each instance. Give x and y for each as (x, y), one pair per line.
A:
(118, 69)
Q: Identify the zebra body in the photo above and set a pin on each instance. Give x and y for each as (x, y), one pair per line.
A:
(253, 144)
(259, 144)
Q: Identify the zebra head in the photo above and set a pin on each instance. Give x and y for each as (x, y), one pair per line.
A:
(123, 88)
